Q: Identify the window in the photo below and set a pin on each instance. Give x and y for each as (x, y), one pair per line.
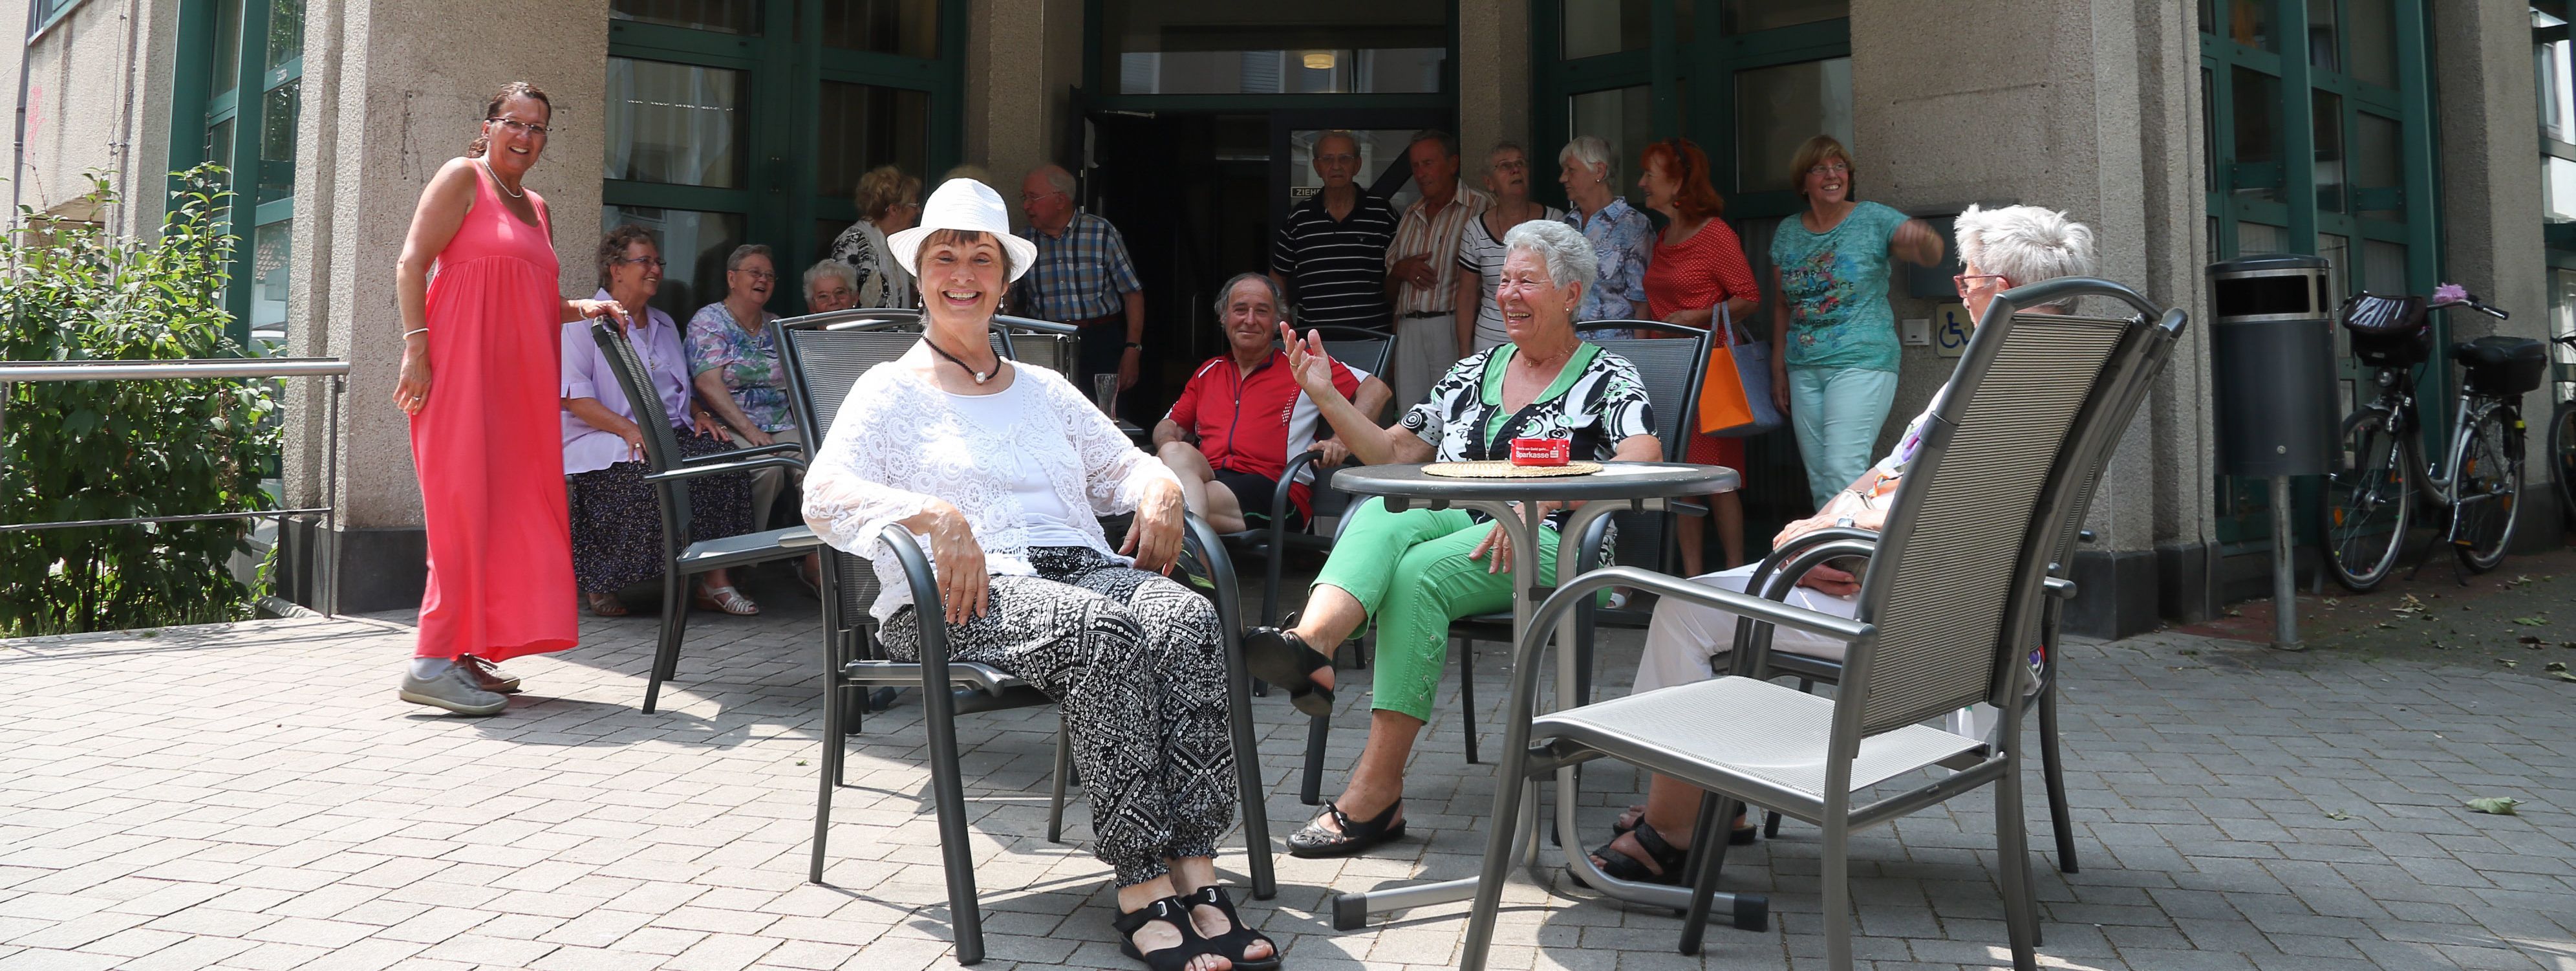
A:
(2319, 142)
(237, 98)
(1192, 47)
(750, 121)
(2556, 76)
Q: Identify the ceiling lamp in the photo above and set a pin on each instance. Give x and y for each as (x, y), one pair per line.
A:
(1319, 60)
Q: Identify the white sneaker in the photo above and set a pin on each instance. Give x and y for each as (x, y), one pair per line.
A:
(454, 691)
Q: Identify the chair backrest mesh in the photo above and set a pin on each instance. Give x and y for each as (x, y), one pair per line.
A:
(1671, 368)
(1949, 565)
(661, 443)
(825, 355)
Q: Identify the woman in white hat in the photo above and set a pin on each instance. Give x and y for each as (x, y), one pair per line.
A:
(1005, 470)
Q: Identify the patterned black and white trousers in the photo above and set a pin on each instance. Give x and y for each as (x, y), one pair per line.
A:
(1133, 660)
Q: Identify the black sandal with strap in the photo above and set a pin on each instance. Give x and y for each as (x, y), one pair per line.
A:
(1315, 842)
(1169, 910)
(1233, 943)
(1620, 866)
(1742, 834)
(1282, 658)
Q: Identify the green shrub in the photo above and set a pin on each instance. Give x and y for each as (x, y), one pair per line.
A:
(81, 450)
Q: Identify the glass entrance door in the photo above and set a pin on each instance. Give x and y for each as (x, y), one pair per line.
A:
(750, 121)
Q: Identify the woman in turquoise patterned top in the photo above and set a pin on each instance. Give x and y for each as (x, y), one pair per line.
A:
(735, 367)
(1835, 372)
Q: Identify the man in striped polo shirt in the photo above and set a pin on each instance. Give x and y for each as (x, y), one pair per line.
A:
(1331, 255)
(1422, 266)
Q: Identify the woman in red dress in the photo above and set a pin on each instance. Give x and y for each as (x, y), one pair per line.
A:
(477, 285)
(1698, 265)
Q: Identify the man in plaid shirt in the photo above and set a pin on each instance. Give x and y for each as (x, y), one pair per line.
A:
(1082, 277)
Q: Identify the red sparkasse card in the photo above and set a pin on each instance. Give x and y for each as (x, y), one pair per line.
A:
(1541, 451)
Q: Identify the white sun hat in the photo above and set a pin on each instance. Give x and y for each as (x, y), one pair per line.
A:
(969, 205)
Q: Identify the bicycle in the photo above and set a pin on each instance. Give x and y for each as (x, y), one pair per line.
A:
(2562, 437)
(2367, 505)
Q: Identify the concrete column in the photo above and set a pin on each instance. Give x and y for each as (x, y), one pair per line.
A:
(389, 96)
(2086, 117)
(2487, 111)
(1023, 60)
(1493, 78)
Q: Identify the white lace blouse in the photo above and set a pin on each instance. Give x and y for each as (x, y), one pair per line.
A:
(899, 441)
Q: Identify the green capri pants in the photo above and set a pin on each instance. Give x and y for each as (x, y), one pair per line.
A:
(1410, 571)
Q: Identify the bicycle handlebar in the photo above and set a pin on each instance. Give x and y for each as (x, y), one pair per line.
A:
(2471, 301)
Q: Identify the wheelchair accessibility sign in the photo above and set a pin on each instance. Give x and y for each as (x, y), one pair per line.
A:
(1950, 326)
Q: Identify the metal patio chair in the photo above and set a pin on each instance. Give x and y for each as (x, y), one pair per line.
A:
(1671, 368)
(824, 355)
(670, 473)
(2126, 389)
(1952, 592)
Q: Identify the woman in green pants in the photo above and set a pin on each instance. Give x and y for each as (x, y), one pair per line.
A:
(1413, 572)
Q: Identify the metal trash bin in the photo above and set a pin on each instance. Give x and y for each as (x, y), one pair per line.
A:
(2272, 355)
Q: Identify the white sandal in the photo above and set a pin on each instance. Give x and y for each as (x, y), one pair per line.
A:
(726, 599)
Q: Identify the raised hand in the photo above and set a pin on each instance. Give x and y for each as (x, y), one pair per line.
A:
(1308, 362)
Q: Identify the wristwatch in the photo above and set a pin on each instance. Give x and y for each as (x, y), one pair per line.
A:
(1133, 346)
(1845, 522)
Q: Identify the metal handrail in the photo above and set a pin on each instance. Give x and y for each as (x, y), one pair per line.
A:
(187, 369)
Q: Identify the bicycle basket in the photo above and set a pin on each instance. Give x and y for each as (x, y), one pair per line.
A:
(2387, 331)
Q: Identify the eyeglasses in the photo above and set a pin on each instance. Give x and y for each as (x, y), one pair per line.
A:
(653, 261)
(1510, 165)
(758, 274)
(1025, 197)
(517, 127)
(1837, 167)
(1965, 281)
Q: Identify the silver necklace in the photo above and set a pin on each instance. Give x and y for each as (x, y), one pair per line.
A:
(496, 180)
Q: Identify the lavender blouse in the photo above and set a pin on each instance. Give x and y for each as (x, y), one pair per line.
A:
(586, 375)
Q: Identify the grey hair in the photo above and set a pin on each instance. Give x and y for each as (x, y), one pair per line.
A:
(2026, 244)
(1505, 145)
(1056, 178)
(733, 261)
(829, 267)
(1448, 142)
(1568, 256)
(1591, 150)
(1225, 294)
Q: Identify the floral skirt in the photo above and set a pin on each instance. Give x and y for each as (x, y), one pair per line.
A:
(617, 517)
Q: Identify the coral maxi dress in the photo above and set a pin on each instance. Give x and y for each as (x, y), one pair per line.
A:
(490, 465)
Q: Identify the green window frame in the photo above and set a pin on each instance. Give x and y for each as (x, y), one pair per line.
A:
(2323, 207)
(43, 14)
(227, 48)
(1099, 91)
(785, 65)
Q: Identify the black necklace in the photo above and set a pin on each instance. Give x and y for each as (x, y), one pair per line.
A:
(979, 376)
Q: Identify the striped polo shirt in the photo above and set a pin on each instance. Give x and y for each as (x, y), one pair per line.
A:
(1336, 269)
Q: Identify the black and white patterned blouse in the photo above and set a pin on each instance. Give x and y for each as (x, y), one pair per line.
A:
(1597, 401)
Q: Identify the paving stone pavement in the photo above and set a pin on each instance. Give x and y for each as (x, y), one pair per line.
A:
(2234, 809)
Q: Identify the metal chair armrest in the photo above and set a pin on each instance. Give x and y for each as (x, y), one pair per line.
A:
(774, 448)
(1780, 555)
(745, 465)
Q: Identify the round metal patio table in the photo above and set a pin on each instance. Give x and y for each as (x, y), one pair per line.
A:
(1639, 486)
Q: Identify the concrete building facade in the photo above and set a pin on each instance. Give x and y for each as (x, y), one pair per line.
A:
(2411, 141)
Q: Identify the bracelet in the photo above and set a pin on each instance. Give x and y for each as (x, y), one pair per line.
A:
(416, 330)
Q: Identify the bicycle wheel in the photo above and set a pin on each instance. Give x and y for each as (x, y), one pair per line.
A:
(2368, 502)
(2562, 455)
(2489, 493)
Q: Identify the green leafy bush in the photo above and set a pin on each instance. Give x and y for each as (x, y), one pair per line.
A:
(82, 450)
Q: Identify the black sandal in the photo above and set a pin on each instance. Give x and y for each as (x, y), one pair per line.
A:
(1282, 658)
(1316, 842)
(1619, 865)
(1233, 943)
(1742, 833)
(1169, 910)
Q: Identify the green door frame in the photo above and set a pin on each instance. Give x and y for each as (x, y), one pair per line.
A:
(196, 108)
(2243, 505)
(1705, 66)
(1099, 91)
(785, 70)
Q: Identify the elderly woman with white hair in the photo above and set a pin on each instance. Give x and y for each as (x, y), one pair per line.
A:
(1003, 472)
(1622, 237)
(830, 285)
(2002, 248)
(1415, 571)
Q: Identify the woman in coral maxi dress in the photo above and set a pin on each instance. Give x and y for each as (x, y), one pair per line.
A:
(477, 284)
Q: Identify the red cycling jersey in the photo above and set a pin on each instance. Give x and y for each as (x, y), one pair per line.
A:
(1255, 421)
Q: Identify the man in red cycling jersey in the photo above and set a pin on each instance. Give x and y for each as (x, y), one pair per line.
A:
(1242, 416)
